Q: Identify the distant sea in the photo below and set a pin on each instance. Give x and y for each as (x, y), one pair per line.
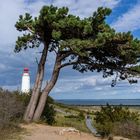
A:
(98, 102)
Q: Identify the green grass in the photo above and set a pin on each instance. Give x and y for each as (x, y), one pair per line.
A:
(61, 120)
(71, 122)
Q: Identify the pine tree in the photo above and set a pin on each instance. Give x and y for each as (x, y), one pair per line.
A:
(88, 44)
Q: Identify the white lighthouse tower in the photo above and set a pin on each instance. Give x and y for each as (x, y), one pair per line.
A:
(25, 86)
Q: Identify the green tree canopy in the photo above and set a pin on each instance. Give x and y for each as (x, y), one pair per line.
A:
(88, 44)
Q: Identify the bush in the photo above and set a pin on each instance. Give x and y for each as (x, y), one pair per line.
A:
(108, 116)
(71, 116)
(10, 108)
(50, 100)
(127, 129)
(49, 114)
(81, 115)
(24, 98)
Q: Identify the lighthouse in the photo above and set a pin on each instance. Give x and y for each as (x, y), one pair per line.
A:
(25, 85)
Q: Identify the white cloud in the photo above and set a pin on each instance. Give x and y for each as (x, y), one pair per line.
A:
(74, 84)
(85, 8)
(35, 7)
(88, 80)
(11, 9)
(129, 21)
(9, 12)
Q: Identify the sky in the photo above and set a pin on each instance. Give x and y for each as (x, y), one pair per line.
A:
(71, 84)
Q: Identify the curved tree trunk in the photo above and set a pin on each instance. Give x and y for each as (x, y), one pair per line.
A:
(26, 118)
(46, 91)
(37, 87)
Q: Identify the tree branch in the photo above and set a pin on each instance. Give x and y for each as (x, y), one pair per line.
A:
(29, 29)
(68, 64)
(64, 54)
(97, 65)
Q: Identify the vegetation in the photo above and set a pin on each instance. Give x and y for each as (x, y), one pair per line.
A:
(116, 119)
(48, 114)
(88, 44)
(81, 115)
(22, 97)
(70, 116)
(71, 121)
(12, 107)
(128, 129)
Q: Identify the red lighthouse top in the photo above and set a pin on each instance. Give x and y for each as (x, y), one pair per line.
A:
(26, 70)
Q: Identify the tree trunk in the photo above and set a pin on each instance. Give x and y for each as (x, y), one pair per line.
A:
(47, 89)
(28, 116)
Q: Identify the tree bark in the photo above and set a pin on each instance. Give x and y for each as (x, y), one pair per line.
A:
(28, 116)
(47, 89)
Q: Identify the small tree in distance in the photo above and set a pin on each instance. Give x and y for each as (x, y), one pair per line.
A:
(87, 44)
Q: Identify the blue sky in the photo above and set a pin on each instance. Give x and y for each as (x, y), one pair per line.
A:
(71, 84)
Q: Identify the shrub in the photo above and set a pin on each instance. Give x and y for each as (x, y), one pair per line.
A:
(104, 129)
(10, 108)
(48, 114)
(127, 129)
(71, 116)
(81, 115)
(50, 100)
(108, 116)
(24, 98)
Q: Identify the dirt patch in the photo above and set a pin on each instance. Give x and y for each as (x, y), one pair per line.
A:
(44, 132)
